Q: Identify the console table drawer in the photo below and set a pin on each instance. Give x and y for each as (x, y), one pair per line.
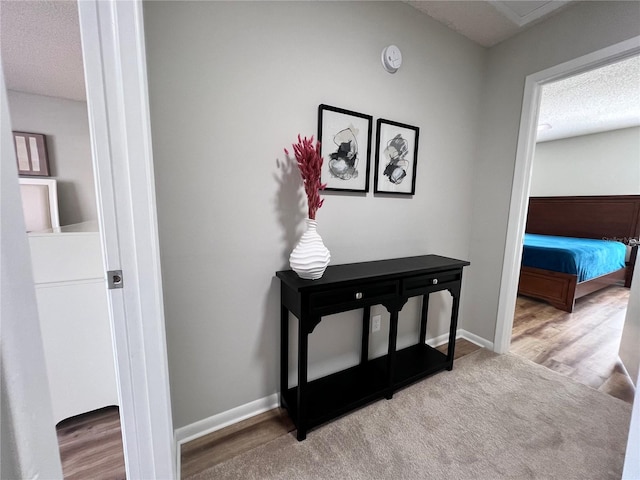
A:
(352, 297)
(413, 285)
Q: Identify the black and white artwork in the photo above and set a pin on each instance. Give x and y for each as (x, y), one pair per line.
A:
(396, 158)
(345, 142)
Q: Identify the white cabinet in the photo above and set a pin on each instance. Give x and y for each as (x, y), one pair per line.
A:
(73, 310)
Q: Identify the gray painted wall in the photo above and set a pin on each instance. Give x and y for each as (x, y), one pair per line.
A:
(606, 163)
(578, 30)
(232, 84)
(66, 126)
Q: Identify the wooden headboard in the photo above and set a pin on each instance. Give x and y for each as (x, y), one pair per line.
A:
(606, 216)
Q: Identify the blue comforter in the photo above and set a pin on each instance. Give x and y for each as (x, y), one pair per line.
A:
(588, 258)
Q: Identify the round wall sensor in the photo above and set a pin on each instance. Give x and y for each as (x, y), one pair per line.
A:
(391, 58)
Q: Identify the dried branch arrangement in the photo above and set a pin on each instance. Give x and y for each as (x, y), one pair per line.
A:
(309, 163)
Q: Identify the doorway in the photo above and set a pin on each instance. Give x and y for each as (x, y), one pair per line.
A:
(47, 98)
(523, 172)
(119, 130)
(588, 146)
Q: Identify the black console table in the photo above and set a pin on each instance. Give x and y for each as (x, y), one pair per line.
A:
(353, 286)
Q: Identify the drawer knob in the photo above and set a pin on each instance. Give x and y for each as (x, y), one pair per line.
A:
(358, 295)
(434, 281)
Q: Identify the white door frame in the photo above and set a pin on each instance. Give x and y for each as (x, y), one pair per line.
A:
(522, 174)
(112, 34)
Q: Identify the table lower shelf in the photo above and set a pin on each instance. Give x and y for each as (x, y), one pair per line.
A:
(341, 392)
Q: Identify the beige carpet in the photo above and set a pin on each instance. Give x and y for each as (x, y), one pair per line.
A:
(492, 417)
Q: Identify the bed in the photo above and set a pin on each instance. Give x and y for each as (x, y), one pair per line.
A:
(614, 219)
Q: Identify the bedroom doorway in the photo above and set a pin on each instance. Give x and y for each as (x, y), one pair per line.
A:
(587, 150)
(523, 173)
(63, 232)
(119, 134)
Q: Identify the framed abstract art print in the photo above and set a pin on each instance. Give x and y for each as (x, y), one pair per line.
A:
(396, 158)
(345, 142)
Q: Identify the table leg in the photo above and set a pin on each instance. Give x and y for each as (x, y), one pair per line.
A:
(423, 319)
(303, 353)
(284, 353)
(631, 265)
(391, 356)
(454, 328)
(366, 326)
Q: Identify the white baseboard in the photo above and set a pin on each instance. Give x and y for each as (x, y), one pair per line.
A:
(473, 338)
(221, 420)
(439, 340)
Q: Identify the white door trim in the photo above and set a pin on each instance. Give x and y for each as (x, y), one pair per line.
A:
(522, 174)
(112, 34)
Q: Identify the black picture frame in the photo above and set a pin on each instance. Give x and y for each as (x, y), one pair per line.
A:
(396, 158)
(345, 146)
(31, 154)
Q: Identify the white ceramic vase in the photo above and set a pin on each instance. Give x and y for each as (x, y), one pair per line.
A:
(310, 257)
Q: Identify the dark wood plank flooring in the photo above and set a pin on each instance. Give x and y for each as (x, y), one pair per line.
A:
(582, 345)
(463, 347)
(216, 447)
(91, 446)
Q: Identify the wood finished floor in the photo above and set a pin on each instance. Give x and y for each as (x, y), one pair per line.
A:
(582, 345)
(91, 446)
(207, 451)
(229, 442)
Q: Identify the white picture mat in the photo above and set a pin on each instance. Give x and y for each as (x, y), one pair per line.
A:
(22, 153)
(35, 156)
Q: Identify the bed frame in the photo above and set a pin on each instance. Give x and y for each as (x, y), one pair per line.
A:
(602, 217)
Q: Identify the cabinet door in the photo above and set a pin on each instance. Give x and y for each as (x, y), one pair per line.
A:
(76, 337)
(65, 257)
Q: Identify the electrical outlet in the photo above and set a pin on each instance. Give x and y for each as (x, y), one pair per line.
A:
(375, 323)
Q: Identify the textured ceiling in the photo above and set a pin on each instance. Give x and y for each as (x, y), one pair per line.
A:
(40, 47)
(41, 54)
(604, 99)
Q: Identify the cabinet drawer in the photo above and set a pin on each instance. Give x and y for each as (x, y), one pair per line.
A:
(356, 296)
(432, 282)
